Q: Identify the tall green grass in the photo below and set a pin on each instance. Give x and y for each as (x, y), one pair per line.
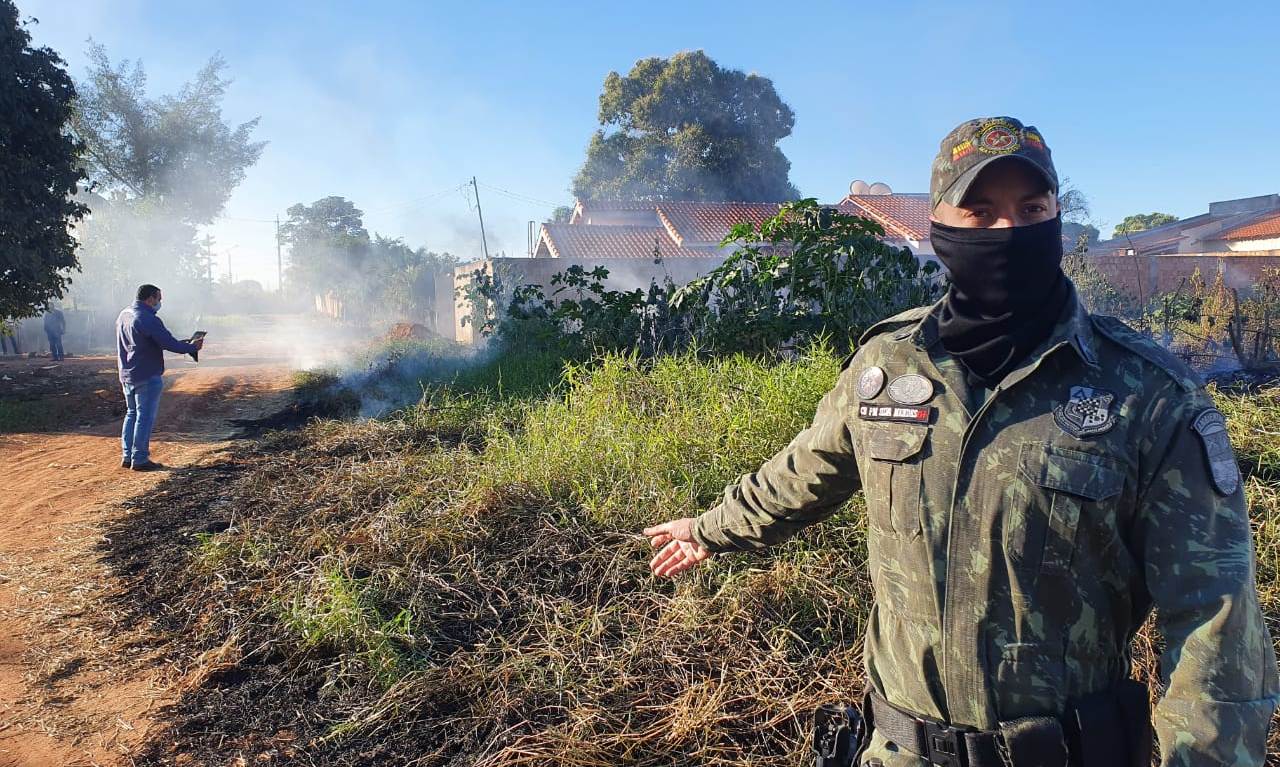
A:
(630, 442)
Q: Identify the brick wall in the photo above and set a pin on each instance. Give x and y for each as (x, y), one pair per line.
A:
(1148, 276)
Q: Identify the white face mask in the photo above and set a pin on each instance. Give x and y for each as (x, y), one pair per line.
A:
(158, 305)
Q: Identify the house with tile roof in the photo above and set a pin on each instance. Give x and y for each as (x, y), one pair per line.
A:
(1237, 239)
(695, 229)
(1244, 225)
(643, 241)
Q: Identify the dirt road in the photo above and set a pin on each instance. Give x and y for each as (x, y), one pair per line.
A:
(73, 690)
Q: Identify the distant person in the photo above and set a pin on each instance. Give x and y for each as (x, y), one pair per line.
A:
(9, 337)
(141, 339)
(55, 326)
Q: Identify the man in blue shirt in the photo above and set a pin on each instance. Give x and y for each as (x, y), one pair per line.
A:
(141, 339)
(55, 325)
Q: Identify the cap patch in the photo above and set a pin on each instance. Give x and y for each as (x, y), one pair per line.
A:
(1033, 138)
(998, 137)
(963, 149)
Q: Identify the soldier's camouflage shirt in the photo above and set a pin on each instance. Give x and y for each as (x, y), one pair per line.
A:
(1019, 537)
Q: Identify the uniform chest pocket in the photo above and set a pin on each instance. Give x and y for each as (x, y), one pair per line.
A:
(892, 484)
(1055, 485)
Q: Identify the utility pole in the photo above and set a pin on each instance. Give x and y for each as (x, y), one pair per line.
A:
(279, 261)
(206, 255)
(484, 240)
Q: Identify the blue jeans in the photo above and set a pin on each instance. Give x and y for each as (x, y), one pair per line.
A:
(55, 345)
(143, 400)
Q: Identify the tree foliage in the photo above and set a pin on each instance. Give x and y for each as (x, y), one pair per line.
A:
(39, 171)
(331, 251)
(805, 273)
(328, 244)
(161, 167)
(176, 149)
(1139, 222)
(685, 128)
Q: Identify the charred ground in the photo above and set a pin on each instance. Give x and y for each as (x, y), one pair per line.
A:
(461, 583)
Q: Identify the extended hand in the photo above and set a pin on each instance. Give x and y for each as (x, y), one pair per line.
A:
(677, 550)
(198, 343)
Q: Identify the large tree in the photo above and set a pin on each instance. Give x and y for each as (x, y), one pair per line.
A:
(331, 251)
(1142, 221)
(161, 167)
(176, 149)
(685, 128)
(39, 171)
(328, 246)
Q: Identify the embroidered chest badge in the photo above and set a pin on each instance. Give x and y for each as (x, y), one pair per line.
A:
(1086, 413)
(1211, 426)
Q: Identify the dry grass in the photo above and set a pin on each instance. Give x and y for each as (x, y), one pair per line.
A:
(463, 583)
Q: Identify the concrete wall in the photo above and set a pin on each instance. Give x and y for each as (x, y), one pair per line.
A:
(1147, 276)
(624, 274)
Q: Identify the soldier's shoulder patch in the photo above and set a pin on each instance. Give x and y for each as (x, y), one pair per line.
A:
(902, 319)
(1211, 426)
(1149, 350)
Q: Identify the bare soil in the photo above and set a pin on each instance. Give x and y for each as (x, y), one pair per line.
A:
(80, 685)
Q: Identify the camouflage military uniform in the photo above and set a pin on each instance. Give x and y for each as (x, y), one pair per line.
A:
(1019, 537)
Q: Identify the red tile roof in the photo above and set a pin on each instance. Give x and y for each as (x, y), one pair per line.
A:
(617, 204)
(584, 209)
(707, 223)
(902, 215)
(1262, 228)
(695, 229)
(590, 241)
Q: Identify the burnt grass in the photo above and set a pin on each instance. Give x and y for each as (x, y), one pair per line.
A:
(461, 583)
(249, 691)
(392, 592)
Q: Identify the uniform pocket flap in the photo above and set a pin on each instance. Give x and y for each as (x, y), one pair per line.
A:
(1071, 472)
(895, 444)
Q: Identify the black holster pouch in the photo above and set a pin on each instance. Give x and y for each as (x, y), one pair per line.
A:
(838, 734)
(1111, 728)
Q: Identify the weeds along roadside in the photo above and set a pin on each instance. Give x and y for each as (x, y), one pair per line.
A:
(463, 580)
(460, 582)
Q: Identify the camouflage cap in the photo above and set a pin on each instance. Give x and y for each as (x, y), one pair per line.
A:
(975, 144)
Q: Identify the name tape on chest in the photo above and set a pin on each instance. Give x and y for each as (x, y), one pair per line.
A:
(870, 412)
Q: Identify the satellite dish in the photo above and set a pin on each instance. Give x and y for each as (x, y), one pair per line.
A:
(879, 187)
(859, 187)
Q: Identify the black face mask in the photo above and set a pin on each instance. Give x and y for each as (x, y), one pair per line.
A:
(1007, 292)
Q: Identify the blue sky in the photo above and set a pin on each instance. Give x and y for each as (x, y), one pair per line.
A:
(1147, 106)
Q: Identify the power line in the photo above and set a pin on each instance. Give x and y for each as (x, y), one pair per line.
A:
(420, 200)
(520, 197)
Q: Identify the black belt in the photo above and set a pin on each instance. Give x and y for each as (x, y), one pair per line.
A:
(1038, 738)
